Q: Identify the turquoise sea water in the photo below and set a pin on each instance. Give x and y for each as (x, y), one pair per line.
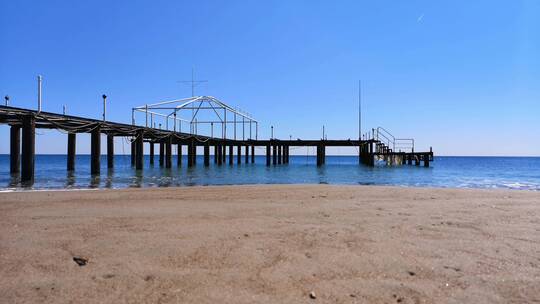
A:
(455, 172)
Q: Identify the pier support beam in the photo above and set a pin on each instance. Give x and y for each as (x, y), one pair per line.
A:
(224, 153)
(274, 155)
(152, 152)
(239, 154)
(218, 155)
(161, 153)
(95, 151)
(133, 152)
(139, 154)
(15, 150)
(426, 160)
(168, 152)
(280, 154)
(268, 155)
(194, 152)
(71, 145)
(231, 156)
(28, 149)
(190, 153)
(110, 151)
(321, 155)
(246, 160)
(206, 155)
(179, 156)
(252, 154)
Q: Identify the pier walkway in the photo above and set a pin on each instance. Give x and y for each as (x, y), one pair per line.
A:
(377, 146)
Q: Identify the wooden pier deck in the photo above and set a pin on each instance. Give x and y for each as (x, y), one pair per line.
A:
(25, 121)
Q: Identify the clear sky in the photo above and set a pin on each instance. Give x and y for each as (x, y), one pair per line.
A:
(461, 76)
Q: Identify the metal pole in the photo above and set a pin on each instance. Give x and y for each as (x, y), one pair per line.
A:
(212, 129)
(104, 105)
(64, 110)
(7, 100)
(272, 133)
(359, 108)
(174, 125)
(40, 79)
(133, 116)
(146, 110)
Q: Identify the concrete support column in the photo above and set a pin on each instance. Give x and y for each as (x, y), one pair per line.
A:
(274, 154)
(139, 154)
(268, 154)
(133, 152)
(110, 151)
(179, 156)
(161, 153)
(280, 154)
(152, 152)
(95, 151)
(219, 156)
(28, 149)
(252, 154)
(15, 150)
(231, 155)
(168, 152)
(206, 155)
(72, 142)
(190, 153)
(239, 154)
(247, 155)
(216, 149)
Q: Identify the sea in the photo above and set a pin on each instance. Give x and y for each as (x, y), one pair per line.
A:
(519, 173)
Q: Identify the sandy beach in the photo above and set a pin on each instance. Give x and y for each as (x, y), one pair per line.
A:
(270, 244)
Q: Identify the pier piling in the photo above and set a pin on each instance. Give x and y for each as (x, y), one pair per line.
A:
(268, 154)
(15, 150)
(133, 151)
(161, 153)
(252, 154)
(206, 155)
(110, 151)
(152, 153)
(179, 155)
(280, 154)
(231, 156)
(71, 145)
(246, 160)
(168, 152)
(95, 151)
(239, 154)
(274, 154)
(28, 149)
(139, 154)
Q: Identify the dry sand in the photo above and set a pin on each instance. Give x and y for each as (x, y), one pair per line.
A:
(271, 244)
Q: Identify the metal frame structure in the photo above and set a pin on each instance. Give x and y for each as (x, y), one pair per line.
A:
(174, 111)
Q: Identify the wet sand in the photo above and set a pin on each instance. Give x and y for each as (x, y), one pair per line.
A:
(271, 244)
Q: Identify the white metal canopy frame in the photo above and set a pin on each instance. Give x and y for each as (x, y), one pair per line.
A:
(187, 111)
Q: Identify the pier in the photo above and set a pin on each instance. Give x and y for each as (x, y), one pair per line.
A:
(374, 147)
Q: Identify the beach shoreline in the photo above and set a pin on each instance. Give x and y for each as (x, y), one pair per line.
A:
(271, 244)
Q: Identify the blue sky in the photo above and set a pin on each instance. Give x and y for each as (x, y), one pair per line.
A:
(461, 76)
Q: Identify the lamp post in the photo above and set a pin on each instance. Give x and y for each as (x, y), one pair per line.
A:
(7, 100)
(272, 133)
(104, 105)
